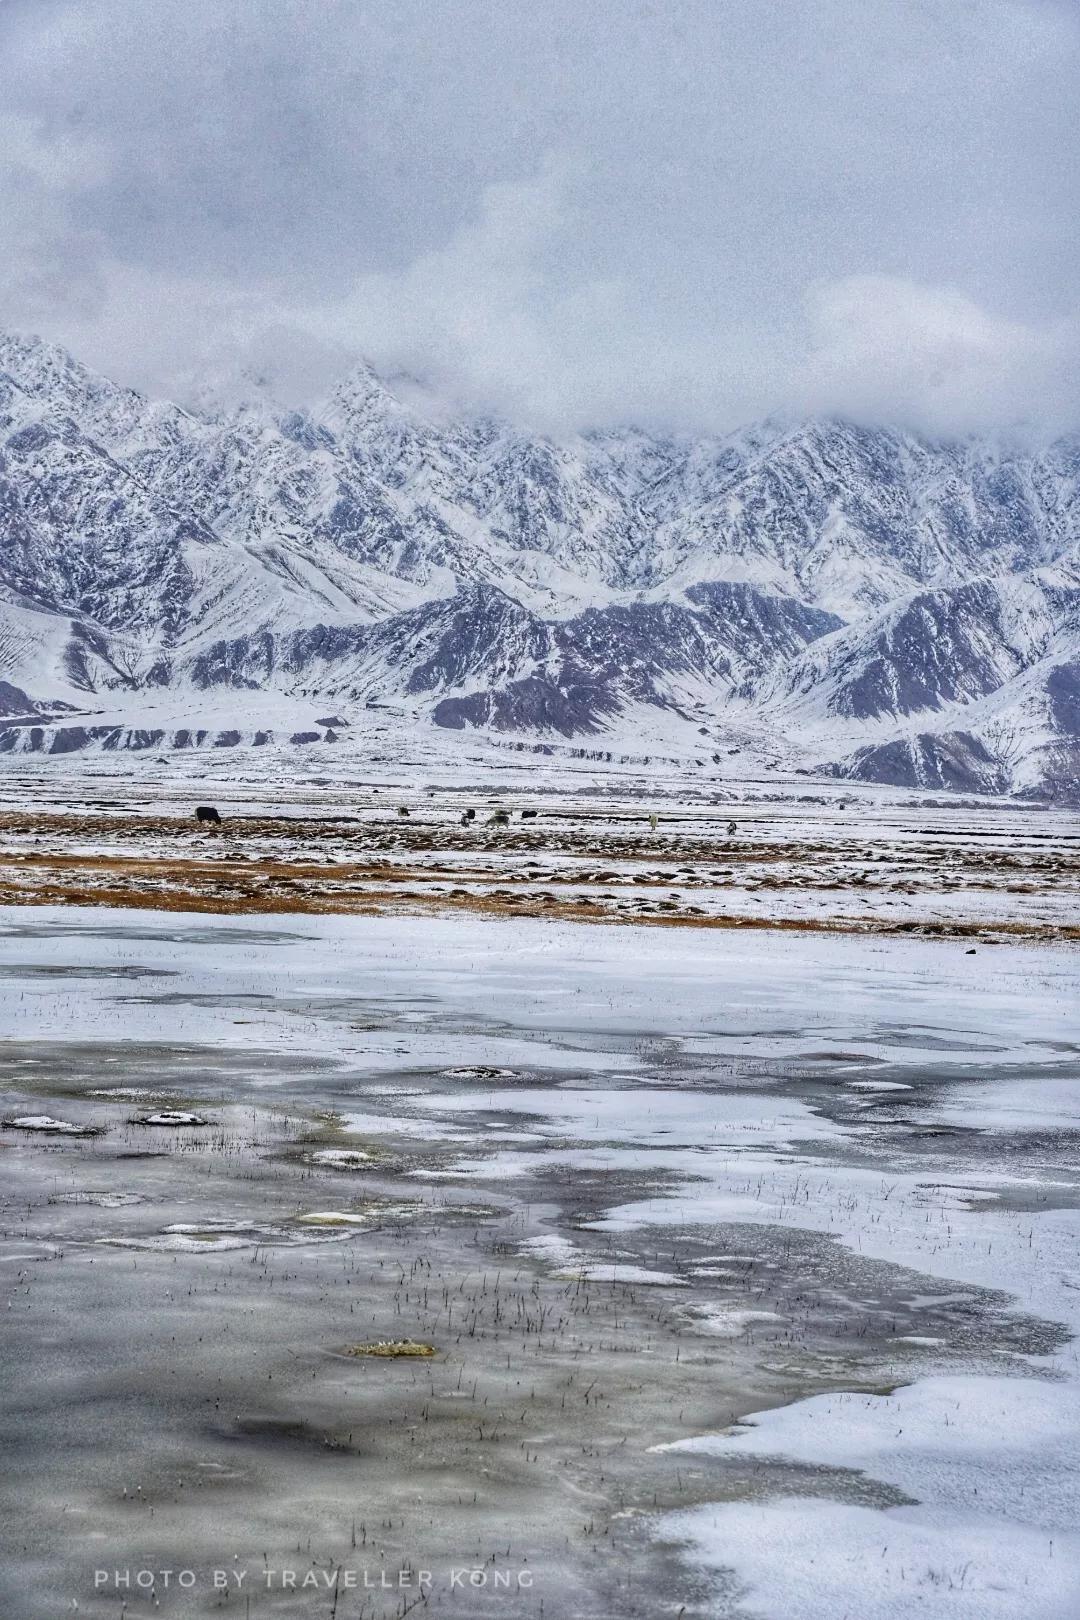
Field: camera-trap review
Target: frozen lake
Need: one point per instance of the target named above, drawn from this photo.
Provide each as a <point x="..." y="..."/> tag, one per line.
<point x="630" y="1187"/>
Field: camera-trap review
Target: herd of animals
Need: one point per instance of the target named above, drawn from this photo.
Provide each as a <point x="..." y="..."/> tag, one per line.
<point x="499" y="818"/>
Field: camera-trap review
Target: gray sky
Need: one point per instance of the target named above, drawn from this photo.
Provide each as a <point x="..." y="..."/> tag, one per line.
<point x="680" y="212"/>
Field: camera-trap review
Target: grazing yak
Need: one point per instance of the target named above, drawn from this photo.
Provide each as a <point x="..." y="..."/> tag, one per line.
<point x="206" y="812"/>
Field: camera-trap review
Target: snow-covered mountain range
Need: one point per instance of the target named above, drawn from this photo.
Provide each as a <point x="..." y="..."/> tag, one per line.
<point x="818" y="596"/>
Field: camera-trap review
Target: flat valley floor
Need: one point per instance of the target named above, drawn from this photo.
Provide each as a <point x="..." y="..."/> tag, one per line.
<point x="463" y="1265"/>
<point x="814" y="857"/>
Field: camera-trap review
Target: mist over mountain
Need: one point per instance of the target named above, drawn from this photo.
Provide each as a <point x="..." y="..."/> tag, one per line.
<point x="813" y="594"/>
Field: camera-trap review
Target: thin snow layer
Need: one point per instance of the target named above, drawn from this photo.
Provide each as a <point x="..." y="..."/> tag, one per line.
<point x="992" y="1466"/>
<point x="806" y="1559"/>
<point x="604" y="1271"/>
<point x="948" y="1230"/>
<point x="570" y="1262"/>
<point x="650" y="1116"/>
<point x="727" y="1321"/>
<point x="1031" y="1104"/>
<point x="758" y="996"/>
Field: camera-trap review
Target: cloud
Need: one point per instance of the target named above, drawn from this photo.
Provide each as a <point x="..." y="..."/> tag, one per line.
<point x="687" y="214"/>
<point x="491" y="316"/>
<point x="931" y="356"/>
<point x="486" y="315"/>
<point x="49" y="260"/>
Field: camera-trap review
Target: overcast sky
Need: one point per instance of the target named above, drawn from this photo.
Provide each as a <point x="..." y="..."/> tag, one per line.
<point x="685" y="213"/>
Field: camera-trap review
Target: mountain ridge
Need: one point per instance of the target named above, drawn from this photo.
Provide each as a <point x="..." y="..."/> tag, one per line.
<point x="835" y="591"/>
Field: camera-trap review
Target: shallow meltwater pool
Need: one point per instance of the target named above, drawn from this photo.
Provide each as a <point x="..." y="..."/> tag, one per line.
<point x="477" y="1265"/>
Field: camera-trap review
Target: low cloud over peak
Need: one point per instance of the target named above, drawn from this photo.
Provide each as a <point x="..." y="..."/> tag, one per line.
<point x="686" y="216"/>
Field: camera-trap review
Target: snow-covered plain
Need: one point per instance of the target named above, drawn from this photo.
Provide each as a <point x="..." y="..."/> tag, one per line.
<point x="841" y="1172"/>
<point x="600" y="844"/>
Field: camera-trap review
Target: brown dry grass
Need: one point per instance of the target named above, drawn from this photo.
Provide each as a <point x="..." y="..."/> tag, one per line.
<point x="170" y="892"/>
<point x="278" y="867"/>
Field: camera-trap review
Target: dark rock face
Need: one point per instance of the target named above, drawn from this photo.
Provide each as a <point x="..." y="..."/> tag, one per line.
<point x="940" y="647"/>
<point x="949" y="759"/>
<point x="244" y="663"/>
<point x="481" y="632"/>
<point x="1063" y="688"/>
<point x="1061" y="775"/>
<point x="70" y="739"/>
<point x="14" y="701"/>
<point x="576" y="706"/>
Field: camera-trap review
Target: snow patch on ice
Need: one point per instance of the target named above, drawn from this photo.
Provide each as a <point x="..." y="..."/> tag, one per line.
<point x="993" y="1468"/>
